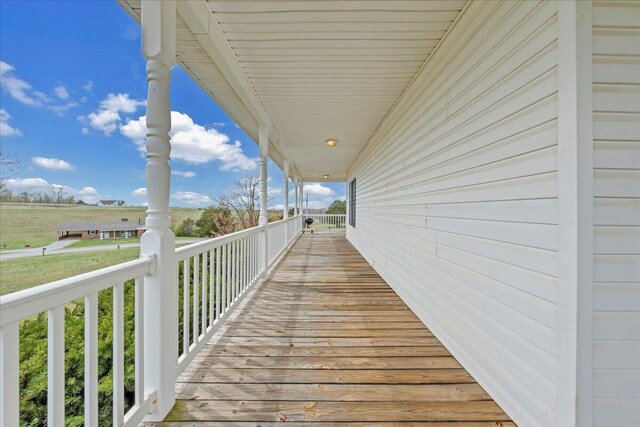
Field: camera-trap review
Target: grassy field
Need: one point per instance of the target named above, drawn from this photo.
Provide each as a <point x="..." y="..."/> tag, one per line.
<point x="34" y="224"/>
<point x="23" y="273"/>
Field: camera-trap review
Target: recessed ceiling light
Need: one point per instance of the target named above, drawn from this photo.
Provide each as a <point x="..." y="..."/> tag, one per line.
<point x="325" y="176"/>
<point x="332" y="142"/>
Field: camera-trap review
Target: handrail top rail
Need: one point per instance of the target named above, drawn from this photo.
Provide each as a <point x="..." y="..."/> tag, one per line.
<point x="312" y="214"/>
<point x="209" y="244"/>
<point x="23" y="304"/>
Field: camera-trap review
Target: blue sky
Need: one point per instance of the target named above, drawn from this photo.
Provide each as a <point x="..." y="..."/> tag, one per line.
<point x="72" y="105"/>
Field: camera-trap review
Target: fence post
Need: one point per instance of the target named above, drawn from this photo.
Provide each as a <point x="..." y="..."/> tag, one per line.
<point x="160" y="287"/>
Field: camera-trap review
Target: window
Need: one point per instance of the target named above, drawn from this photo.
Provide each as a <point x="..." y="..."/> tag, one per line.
<point x="352" y="203"/>
<point x="92" y="232"/>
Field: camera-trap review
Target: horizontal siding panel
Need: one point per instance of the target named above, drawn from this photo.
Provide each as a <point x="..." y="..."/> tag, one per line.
<point x="617" y="240"/>
<point x="616" y="325"/>
<point x="536" y="211"/>
<point x="617" y="98"/>
<point x="619" y="412"/>
<point x="617" y="14"/>
<point x="616" y="70"/>
<point x="616" y="296"/>
<point x="616" y="268"/>
<point x="616" y="211"/>
<point x="616" y="383"/>
<point x="616" y="354"/>
<point x="616" y="154"/>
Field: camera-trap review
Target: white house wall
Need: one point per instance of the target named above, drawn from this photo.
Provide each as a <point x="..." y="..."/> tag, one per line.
<point x="457" y="200"/>
<point x="616" y="294"/>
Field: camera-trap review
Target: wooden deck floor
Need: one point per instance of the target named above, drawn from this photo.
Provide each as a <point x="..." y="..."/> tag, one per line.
<point x="326" y="340"/>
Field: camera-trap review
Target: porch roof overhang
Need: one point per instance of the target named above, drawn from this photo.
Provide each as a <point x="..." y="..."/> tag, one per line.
<point x="308" y="70"/>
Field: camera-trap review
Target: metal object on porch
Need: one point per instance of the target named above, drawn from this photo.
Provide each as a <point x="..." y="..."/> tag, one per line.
<point x="308" y="221"/>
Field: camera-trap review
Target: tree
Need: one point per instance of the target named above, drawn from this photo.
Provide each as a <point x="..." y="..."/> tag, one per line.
<point x="186" y="229"/>
<point x="337" y="207"/>
<point x="58" y="193"/>
<point x="215" y="221"/>
<point x="243" y="200"/>
<point x="8" y="167"/>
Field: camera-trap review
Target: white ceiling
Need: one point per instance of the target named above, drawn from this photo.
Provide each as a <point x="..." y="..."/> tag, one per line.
<point x="317" y="69"/>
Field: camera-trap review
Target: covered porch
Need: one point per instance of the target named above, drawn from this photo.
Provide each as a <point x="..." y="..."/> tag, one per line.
<point x="494" y="145"/>
<point x="325" y="340"/>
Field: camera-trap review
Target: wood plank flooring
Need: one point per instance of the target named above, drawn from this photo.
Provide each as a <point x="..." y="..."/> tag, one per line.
<point x="327" y="341"/>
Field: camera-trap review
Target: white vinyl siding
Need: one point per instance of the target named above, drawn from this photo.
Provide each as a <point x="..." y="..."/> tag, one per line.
<point x="616" y="293"/>
<point x="457" y="200"/>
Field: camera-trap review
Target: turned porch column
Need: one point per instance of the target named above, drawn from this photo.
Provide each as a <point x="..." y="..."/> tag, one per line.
<point x="285" y="209"/>
<point x="295" y="187"/>
<point x="263" y="140"/>
<point x="160" y="288"/>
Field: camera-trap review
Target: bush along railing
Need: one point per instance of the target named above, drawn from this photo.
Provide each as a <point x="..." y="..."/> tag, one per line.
<point x="105" y="383"/>
<point x="327" y="221"/>
<point x="76" y="296"/>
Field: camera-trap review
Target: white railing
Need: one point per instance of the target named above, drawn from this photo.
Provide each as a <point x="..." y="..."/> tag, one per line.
<point x="294" y="225"/>
<point x="213" y="277"/>
<point x="327" y="221"/>
<point x="52" y="299"/>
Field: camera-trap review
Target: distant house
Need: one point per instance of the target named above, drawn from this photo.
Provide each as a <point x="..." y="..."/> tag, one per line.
<point x="113" y="202"/>
<point x="100" y="229"/>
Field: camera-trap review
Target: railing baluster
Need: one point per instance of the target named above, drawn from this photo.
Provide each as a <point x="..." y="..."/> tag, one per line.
<point x="225" y="272"/>
<point x="118" y="354"/>
<point x="203" y="320"/>
<point x="139" y="341"/>
<point x="9" y="371"/>
<point x="91" y="360"/>
<point x="196" y="298"/>
<point x="218" y="279"/>
<point x="186" y="296"/>
<point x="212" y="285"/>
<point x="234" y="270"/>
<point x="244" y="264"/>
<point x="228" y="283"/>
<point x="55" y="362"/>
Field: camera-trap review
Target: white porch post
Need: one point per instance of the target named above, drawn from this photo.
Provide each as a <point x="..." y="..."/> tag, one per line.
<point x="263" y="140"/>
<point x="302" y="196"/>
<point x="285" y="213"/>
<point x="160" y="290"/>
<point x="295" y="186"/>
<point x="285" y="209"/>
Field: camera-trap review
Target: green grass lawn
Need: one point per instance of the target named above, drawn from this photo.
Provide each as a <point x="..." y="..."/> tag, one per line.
<point x="98" y="242"/>
<point x="23" y="273"/>
<point x="35" y="225"/>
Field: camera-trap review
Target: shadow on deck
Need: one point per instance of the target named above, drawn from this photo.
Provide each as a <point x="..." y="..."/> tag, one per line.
<point x="326" y="340"/>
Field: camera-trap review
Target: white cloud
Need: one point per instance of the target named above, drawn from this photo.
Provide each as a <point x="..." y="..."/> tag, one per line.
<point x="63" y="108"/>
<point x="88" y="86"/>
<point x="5" y="128"/>
<point x="316" y="189"/>
<point x="88" y="194"/>
<point x="61" y="92"/>
<point x="193" y="143"/>
<point x="191" y="198"/>
<point x="107" y="118"/>
<point x="139" y="192"/>
<point x="19" y="89"/>
<point x="187" y="174"/>
<point x="52" y="164"/>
